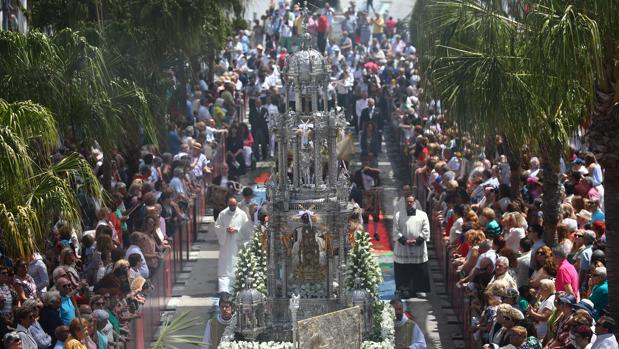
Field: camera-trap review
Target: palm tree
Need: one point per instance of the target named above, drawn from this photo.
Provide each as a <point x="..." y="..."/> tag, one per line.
<point x="494" y="74"/>
<point x="70" y="77"/>
<point x="36" y="192"/>
<point x="475" y="65"/>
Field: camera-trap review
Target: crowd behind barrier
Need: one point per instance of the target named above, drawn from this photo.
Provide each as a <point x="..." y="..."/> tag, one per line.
<point x="506" y="286"/>
<point x="117" y="271"/>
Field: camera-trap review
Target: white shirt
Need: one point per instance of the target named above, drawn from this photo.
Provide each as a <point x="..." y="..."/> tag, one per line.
<point x="454" y="164"/>
<point x="512" y="238"/>
<point x="542" y="326"/>
<point x="200" y="165"/>
<point x="490" y="254"/>
<point x="177" y="185"/>
<point x="27" y="340"/>
<point x="456" y="230"/>
<point x="605" y="341"/>
<point x="144" y="267"/>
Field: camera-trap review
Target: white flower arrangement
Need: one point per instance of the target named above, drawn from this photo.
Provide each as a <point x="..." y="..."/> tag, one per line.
<point x="251" y="263"/>
<point x="387" y="324"/>
<point x="362" y="264"/>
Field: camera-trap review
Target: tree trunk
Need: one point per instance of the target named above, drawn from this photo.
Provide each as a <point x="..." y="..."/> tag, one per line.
<point x="514" y="157"/>
<point x="211" y="62"/>
<point x="552" y="195"/>
<point x="107" y="173"/>
<point x="611" y="207"/>
<point x="603" y="142"/>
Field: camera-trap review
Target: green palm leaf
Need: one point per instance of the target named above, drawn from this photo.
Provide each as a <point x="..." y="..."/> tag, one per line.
<point x="170" y="334"/>
<point x="34" y="193"/>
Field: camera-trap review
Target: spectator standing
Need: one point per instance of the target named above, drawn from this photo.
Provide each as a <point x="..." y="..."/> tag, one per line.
<point x="61" y="333"/>
<point x="258" y="115"/>
<point x="567" y="276"/>
<point x="584" y="260"/>
<point x="67" y="308"/>
<point x="24" y="319"/>
<point x="323" y="31"/>
<point x="38" y="270"/>
<point x="378" y="27"/>
<point x="49" y="316"/>
<point x="43" y="339"/>
<point x="24" y="284"/>
<point x="599" y="290"/>
<point x="605" y="332"/>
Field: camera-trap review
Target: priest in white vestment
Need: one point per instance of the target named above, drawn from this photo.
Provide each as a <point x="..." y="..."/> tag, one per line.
<point x="231" y="234"/>
<point x="407" y="334"/>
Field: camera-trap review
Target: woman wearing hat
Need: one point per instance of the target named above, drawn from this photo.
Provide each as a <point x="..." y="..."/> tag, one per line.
<point x="562" y="325"/>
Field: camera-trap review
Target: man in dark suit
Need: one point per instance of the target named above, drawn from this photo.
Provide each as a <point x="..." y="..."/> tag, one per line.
<point x="258" y="115"/>
<point x="371" y="114"/>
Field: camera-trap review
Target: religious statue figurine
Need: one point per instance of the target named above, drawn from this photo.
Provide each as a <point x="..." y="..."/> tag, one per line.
<point x="284" y="236"/>
<point x="308" y="251"/>
<point x="355" y="223"/>
<point x="306" y="164"/>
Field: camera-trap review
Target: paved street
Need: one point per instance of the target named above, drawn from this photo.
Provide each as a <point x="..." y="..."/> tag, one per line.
<point x="196" y="293"/>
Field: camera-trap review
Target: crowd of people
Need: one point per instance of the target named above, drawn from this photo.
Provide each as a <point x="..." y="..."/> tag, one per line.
<point x="89" y="282"/>
<point x="527" y="294"/>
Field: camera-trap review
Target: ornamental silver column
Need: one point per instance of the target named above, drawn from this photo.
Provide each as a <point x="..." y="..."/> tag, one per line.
<point x="317" y="158"/>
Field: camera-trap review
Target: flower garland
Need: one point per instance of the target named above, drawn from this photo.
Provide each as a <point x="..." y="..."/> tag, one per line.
<point x="362" y="264"/>
<point x="252" y="263"/>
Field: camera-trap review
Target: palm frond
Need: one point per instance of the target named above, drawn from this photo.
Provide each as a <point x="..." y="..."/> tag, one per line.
<point x="171" y="332"/>
<point x="34" y="194"/>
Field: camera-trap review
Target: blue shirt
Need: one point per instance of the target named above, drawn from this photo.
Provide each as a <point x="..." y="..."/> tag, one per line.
<point x="599" y="297"/>
<point x="101" y="340"/>
<point x="174" y="142"/>
<point x="67" y="310"/>
<point x="598" y="215"/>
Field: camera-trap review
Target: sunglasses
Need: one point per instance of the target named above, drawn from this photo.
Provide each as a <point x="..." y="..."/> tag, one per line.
<point x="578" y="235"/>
<point x="99" y="303"/>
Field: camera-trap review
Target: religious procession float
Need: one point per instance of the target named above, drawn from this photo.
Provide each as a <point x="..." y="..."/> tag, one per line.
<point x="308" y="278"/>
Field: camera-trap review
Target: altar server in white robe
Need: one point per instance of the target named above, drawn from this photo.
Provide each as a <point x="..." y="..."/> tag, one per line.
<point x="231" y="234"/>
<point x="216" y="326"/>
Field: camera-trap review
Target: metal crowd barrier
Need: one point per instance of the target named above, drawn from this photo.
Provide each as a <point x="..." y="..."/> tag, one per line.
<point x="144" y="329"/>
